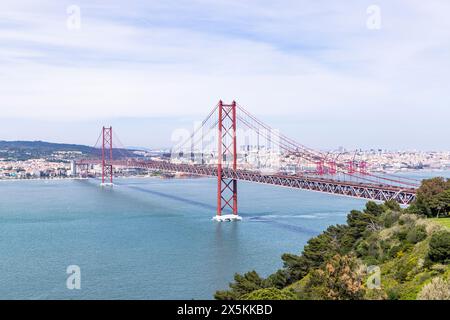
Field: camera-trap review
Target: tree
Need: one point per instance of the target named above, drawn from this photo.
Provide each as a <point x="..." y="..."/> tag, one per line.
<point x="243" y="284"/>
<point x="428" y="196"/>
<point x="277" y="280"/>
<point x="440" y="247"/>
<point x="359" y="222"/>
<point x="441" y="203"/>
<point x="339" y="279"/>
<point x="393" y="205"/>
<point x="315" y="253"/>
<point x="295" y="266"/>
<point x="374" y="209"/>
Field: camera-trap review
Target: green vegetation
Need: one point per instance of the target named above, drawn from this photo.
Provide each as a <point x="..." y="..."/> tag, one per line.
<point x="442" y="221"/>
<point x="433" y="198"/>
<point x="25" y="150"/>
<point x="383" y="252"/>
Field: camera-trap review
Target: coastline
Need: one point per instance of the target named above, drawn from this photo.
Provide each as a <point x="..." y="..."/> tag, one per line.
<point x="45" y="179"/>
<point x="78" y="178"/>
<point x="419" y="171"/>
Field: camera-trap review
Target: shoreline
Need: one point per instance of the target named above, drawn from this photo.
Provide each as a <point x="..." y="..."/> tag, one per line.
<point x="197" y="177"/>
<point x="99" y="178"/>
<point x="44" y="179"/>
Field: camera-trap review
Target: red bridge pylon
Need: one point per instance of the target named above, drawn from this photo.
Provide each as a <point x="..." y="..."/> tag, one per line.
<point x="226" y="155"/>
<point x="107" y="156"/>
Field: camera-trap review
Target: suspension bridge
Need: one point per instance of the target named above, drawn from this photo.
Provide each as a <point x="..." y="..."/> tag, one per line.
<point x="232" y="145"/>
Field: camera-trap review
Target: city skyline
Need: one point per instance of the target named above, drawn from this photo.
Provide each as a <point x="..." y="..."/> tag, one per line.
<point x="321" y="74"/>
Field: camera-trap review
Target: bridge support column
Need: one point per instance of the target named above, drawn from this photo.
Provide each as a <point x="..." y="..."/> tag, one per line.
<point x="226" y="153"/>
<point x="107" y="157"/>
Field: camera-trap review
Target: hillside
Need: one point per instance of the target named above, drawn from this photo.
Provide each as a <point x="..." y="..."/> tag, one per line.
<point x="25" y="150"/>
<point x="383" y="252"/>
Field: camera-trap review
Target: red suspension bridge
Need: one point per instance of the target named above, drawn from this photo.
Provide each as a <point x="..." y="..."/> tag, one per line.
<point x="233" y="145"/>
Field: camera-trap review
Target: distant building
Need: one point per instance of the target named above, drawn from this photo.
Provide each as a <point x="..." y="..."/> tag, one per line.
<point x="73" y="168"/>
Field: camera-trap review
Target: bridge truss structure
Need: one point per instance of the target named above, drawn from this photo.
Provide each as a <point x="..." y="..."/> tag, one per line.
<point x="232" y="145"/>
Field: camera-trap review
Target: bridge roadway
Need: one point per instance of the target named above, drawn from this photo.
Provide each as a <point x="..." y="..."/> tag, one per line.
<point x="370" y="191"/>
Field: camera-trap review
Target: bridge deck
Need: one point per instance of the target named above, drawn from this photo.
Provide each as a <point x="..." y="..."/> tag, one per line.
<point x="370" y="191"/>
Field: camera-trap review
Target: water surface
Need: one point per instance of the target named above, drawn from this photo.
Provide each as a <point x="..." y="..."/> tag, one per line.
<point x="149" y="238"/>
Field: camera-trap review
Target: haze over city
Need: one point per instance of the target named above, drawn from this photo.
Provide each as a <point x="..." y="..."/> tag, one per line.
<point x="151" y="68"/>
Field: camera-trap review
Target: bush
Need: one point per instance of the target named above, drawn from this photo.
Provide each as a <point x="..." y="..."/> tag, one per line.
<point x="437" y="289"/>
<point x="362" y="248"/>
<point x="389" y="218"/>
<point x="393" y="252"/>
<point x="440" y="247"/>
<point x="407" y="219"/>
<point x="393" y="293"/>
<point x="416" y="234"/>
<point x="401" y="235"/>
<point x="270" y="294"/>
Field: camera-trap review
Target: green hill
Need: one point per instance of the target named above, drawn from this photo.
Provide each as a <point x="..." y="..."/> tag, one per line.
<point x="25" y="150"/>
<point x="383" y="252"/>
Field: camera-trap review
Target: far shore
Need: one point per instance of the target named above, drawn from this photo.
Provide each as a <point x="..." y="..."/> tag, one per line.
<point x="198" y="176"/>
<point x="97" y="178"/>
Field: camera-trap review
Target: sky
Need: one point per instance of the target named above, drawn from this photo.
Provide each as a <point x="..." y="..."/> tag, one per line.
<point x="354" y="73"/>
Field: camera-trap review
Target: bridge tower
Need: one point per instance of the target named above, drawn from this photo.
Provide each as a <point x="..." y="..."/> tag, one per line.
<point x="320" y="170"/>
<point x="351" y="167"/>
<point x="363" y="167"/>
<point x="332" y="168"/>
<point x="226" y="156"/>
<point x="107" y="156"/>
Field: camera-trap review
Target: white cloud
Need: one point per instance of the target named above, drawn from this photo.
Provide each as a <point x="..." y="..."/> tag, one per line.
<point x="297" y="58"/>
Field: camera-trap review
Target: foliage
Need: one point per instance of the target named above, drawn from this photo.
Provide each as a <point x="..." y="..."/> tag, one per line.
<point x="389" y="217"/>
<point x="416" y="234"/>
<point x="270" y="294"/>
<point x="242" y="285"/>
<point x="433" y="198"/>
<point x="25" y="150"/>
<point x="339" y="279"/>
<point x="277" y="280"/>
<point x="442" y="221"/>
<point x="409" y="250"/>
<point x="392" y="205"/>
<point x="440" y="247"/>
<point x="437" y="289"/>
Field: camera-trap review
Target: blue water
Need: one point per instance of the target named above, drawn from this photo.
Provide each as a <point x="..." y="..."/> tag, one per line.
<point x="148" y="238"/>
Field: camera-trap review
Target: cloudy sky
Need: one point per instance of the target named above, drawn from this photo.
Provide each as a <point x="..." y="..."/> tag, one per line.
<point x="330" y="73"/>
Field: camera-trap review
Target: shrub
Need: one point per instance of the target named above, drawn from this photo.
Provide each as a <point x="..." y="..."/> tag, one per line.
<point x="362" y="248"/>
<point x="393" y="293"/>
<point x="407" y="219"/>
<point x="405" y="266"/>
<point x="389" y="218"/>
<point x="416" y="234"/>
<point x="437" y="289"/>
<point x="392" y="253"/>
<point x="440" y="247"/>
<point x="401" y="235"/>
<point x="270" y="294"/>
